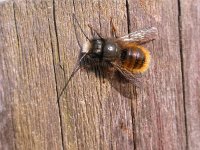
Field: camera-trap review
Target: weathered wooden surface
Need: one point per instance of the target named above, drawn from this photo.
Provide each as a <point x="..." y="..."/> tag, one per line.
<point x="36" y="37"/>
<point x="159" y="117"/>
<point x="29" y="111"/>
<point x="190" y="12"/>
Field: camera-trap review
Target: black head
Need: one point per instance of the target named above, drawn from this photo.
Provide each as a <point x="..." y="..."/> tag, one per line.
<point x="104" y="49"/>
<point x="96" y="48"/>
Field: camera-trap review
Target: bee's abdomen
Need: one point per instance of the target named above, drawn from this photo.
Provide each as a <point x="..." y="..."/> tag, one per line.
<point x="132" y="58"/>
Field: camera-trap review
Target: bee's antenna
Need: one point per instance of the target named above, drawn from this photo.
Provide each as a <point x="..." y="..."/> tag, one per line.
<point x="76" y="68"/>
<point x="74" y="17"/>
<point x="93" y="30"/>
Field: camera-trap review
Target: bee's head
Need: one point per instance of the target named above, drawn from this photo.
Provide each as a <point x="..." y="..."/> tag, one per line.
<point x="94" y="47"/>
<point x="97" y="47"/>
<point x="100" y="48"/>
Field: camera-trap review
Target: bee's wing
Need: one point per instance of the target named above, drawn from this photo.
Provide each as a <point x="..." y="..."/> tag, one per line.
<point x="133" y="78"/>
<point x="140" y="36"/>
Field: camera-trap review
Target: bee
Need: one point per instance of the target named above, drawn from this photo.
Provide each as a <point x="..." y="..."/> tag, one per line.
<point x="124" y="54"/>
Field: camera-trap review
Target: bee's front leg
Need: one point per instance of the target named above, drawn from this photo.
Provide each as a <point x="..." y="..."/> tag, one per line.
<point x="113" y="29"/>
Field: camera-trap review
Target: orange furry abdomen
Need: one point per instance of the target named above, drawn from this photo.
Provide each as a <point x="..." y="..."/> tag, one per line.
<point x="136" y="58"/>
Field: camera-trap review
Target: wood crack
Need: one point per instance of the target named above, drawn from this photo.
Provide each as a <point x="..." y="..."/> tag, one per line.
<point x="128" y="16"/>
<point x="18" y="41"/>
<point x="132" y="108"/>
<point x="182" y="69"/>
<point x="57" y="44"/>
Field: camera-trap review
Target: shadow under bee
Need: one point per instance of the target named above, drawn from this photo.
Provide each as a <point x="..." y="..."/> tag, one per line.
<point x="106" y="71"/>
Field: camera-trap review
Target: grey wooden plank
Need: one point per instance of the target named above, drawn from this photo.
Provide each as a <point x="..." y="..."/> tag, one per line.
<point x="95" y="113"/>
<point x="29" y="109"/>
<point x="190" y="22"/>
<point x="159" y="108"/>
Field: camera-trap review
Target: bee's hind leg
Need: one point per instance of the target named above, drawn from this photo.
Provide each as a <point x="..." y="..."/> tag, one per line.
<point x="113" y="29"/>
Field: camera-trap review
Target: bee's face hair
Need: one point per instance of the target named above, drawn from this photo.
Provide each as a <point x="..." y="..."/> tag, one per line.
<point x="86" y="47"/>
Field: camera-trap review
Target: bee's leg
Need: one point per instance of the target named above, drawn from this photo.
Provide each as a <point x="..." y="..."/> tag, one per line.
<point x="113" y="29"/>
<point x="93" y="31"/>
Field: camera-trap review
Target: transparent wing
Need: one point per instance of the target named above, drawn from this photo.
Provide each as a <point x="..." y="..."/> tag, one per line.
<point x="140" y="36"/>
<point x="133" y="78"/>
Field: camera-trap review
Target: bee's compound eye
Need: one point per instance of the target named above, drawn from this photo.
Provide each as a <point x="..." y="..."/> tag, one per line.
<point x="97" y="47"/>
<point x="98" y="44"/>
<point x="110" y="51"/>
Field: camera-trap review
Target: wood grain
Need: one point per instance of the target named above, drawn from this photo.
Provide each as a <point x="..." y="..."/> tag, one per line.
<point x="95" y="115"/>
<point x="29" y="109"/>
<point x="39" y="46"/>
<point x="159" y="115"/>
<point x="190" y="22"/>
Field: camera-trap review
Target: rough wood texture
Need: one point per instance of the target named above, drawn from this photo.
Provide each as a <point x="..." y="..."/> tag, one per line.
<point x="95" y="112"/>
<point x="190" y="21"/>
<point x="159" y="116"/>
<point x="29" y="110"/>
